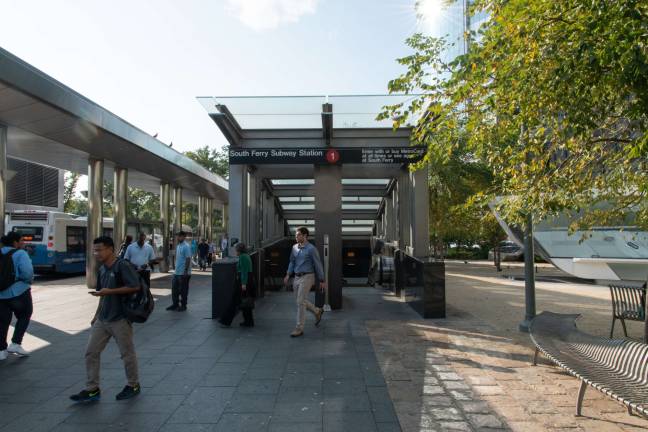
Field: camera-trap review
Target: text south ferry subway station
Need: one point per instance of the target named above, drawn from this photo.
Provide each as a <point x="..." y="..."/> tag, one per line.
<point x="276" y="153"/>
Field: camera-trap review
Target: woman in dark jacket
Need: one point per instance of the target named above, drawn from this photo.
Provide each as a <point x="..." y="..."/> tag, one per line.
<point x="243" y="297"/>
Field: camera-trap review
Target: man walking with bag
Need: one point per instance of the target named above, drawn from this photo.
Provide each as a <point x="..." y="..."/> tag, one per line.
<point x="304" y="263"/>
<point x="117" y="279"/>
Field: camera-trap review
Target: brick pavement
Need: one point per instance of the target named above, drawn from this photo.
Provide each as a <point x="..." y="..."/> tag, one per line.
<point x="462" y="374"/>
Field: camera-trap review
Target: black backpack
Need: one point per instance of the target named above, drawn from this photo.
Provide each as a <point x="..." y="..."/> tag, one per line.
<point x="137" y="306"/>
<point x="7" y="270"/>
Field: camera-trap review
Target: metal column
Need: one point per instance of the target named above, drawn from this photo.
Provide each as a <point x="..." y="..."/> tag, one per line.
<point x="3" y="177"/>
<point x="420" y="212"/>
<point x="529" y="276"/>
<point x="209" y="219"/>
<point x="177" y="210"/>
<point x="404" y="214"/>
<point x="201" y="218"/>
<point x="165" y="218"/>
<point x="225" y="210"/>
<point x="95" y="217"/>
<point x="237" y="215"/>
<point x="120" y="198"/>
<point x="328" y="221"/>
<point x="389" y="218"/>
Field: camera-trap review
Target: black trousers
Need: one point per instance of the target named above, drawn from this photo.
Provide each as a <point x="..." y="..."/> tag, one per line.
<point x="146" y="275"/>
<point x="21" y="306"/>
<point x="180" y="290"/>
<point x="234" y="306"/>
<point x="232" y="309"/>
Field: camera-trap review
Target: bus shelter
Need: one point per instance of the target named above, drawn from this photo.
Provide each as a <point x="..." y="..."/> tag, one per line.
<point x="44" y="121"/>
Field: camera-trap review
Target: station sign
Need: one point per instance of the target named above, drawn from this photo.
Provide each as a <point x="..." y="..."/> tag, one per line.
<point x="325" y="156"/>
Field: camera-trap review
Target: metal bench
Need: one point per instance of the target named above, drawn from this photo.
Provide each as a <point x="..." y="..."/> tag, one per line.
<point x="628" y="303"/>
<point x="615" y="367"/>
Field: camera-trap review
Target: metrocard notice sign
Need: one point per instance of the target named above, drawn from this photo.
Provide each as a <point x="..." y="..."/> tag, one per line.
<point x="324" y="156"/>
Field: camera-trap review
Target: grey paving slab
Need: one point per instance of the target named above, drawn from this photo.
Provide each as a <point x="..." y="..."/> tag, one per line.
<point x="258" y="386"/>
<point x="343" y="386"/>
<point x="196" y="376"/>
<point x="294" y="427"/>
<point x="187" y="427"/>
<point x="35" y="422"/>
<point x="243" y="423"/>
<point x="96" y="412"/>
<point x="12" y="411"/>
<point x="296" y="379"/>
<point x="251" y="403"/>
<point x="389" y="427"/>
<point x="145" y="422"/>
<point x="301" y="394"/>
<point x="347" y="402"/>
<point x="349" y="422"/>
<point x="298" y="412"/>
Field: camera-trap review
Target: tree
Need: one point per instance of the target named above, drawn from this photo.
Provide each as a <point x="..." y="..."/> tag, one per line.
<point x="214" y="160"/>
<point x="143" y="206"/>
<point x="552" y="97"/>
<point x="454" y="215"/>
<point x="71" y="182"/>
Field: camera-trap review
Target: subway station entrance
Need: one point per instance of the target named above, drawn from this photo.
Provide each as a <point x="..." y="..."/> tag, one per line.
<point x="326" y="163"/>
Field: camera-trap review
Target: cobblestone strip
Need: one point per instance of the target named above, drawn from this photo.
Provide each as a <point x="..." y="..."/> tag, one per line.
<point x="459" y="375"/>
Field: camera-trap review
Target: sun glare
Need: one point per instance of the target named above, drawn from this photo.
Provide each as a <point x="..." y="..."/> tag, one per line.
<point x="429" y="12"/>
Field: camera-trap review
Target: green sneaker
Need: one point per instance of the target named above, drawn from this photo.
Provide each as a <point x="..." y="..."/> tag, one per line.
<point x="128" y="392"/>
<point x="87" y="396"/>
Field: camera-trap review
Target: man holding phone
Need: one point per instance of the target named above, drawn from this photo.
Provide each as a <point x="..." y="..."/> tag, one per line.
<point x="116" y="280"/>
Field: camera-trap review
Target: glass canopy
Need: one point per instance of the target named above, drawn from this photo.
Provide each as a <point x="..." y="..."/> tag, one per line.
<point x="304" y="112"/>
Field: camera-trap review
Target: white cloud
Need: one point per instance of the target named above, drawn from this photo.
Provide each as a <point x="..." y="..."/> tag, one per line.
<point x="269" y="14"/>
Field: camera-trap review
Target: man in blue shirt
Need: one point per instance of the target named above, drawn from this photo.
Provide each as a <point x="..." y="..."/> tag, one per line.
<point x="304" y="263"/>
<point x="16" y="300"/>
<point x="142" y="256"/>
<point x="180" y="283"/>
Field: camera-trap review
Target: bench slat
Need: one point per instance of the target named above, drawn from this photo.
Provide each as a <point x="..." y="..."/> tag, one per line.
<point x="615" y="367"/>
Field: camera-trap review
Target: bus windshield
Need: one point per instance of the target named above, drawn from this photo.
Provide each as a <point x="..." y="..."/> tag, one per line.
<point x="30" y="234"/>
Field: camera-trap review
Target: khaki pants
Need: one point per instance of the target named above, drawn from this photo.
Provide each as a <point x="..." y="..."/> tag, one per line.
<point x="301" y="287"/>
<point x="100" y="334"/>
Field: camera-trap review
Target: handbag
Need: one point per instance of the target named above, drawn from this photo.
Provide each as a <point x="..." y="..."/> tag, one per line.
<point x="247" y="303"/>
<point x="247" y="300"/>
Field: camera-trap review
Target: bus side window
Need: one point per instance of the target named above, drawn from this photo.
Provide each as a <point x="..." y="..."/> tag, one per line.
<point x="108" y="232"/>
<point x="76" y="239"/>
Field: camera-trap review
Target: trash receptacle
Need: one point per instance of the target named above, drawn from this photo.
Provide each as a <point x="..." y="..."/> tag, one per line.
<point x="223" y="285"/>
<point x="434" y="304"/>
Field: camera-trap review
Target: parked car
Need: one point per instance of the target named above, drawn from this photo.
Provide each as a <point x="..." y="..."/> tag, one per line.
<point x="510" y="251"/>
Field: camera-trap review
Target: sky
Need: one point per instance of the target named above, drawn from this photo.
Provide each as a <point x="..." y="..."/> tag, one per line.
<point x="146" y="61"/>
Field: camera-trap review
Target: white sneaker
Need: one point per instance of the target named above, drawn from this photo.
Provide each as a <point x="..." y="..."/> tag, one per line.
<point x="3" y="355"/>
<point x="14" y="348"/>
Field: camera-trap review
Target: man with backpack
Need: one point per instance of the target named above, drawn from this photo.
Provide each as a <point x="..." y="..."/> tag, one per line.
<point x="116" y="281"/>
<point x="16" y="274"/>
